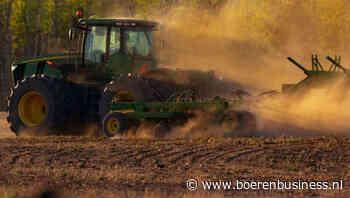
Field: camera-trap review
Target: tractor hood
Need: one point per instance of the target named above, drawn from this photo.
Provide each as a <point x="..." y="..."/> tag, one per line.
<point x="57" y="58"/>
<point x="43" y="65"/>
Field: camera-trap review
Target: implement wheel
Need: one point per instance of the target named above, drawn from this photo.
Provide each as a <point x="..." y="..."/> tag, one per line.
<point x="114" y="123"/>
<point x="247" y="121"/>
<point x="243" y="122"/>
<point x="230" y="121"/>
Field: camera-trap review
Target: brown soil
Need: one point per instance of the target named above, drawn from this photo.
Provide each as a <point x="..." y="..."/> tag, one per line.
<point x="5" y="131"/>
<point x="81" y="165"/>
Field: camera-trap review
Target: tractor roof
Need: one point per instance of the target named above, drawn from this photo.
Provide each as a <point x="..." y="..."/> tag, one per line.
<point x="125" y="22"/>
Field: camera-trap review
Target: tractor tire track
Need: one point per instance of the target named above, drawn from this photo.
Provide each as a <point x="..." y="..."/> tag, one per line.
<point x="173" y="157"/>
<point x="196" y="154"/>
<point x="153" y="155"/>
<point x="219" y="154"/>
<point x="133" y="157"/>
<point x="179" y="151"/>
<point x="210" y="157"/>
<point x="224" y="159"/>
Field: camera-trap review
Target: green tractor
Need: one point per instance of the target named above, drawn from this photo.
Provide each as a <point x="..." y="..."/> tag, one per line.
<point x="112" y="79"/>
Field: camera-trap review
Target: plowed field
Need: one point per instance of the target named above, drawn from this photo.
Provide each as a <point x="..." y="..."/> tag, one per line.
<point x="120" y="167"/>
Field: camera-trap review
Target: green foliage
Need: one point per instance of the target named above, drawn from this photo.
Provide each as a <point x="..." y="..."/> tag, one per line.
<point x="256" y="20"/>
<point x="31" y="19"/>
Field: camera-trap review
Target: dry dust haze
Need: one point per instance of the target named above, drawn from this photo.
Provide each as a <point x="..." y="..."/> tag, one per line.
<point x="249" y="43"/>
<point x="226" y="44"/>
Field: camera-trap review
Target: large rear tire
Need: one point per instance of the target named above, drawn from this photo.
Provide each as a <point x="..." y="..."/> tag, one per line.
<point x="36" y="102"/>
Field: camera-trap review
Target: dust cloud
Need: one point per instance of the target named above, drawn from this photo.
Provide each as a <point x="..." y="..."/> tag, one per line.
<point x="248" y="42"/>
<point x="318" y="112"/>
<point x="254" y="55"/>
<point x="5" y="131"/>
<point x="200" y="125"/>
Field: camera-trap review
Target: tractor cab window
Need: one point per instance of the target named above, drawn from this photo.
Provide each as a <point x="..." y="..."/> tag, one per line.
<point x="139" y="42"/>
<point x="95" y="46"/>
<point x="115" y="41"/>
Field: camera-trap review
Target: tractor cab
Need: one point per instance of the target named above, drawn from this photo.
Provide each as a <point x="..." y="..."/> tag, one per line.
<point x="116" y="46"/>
